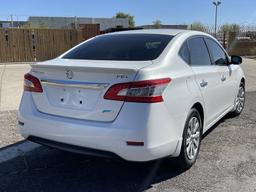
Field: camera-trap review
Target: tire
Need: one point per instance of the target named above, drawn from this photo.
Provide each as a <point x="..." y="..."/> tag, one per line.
<point x="187" y="158"/>
<point x="239" y="101"/>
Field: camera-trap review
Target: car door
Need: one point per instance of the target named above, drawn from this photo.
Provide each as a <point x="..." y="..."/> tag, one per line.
<point x="207" y="77"/>
<point x="226" y="73"/>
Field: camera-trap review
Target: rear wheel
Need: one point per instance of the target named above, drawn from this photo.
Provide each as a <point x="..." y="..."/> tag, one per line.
<point x="191" y="140"/>
<point x="240" y="101"/>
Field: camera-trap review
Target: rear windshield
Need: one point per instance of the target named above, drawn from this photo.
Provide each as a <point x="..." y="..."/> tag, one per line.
<point x="121" y="47"/>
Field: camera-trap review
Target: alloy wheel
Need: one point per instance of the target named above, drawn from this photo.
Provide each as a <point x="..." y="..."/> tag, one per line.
<point x="193" y="138"/>
<point x="240" y="100"/>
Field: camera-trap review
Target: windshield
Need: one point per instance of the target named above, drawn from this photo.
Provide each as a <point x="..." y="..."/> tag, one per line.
<point x="121" y="47"/>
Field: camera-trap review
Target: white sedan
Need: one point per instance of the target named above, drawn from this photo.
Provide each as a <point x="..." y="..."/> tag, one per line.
<point x="140" y="95"/>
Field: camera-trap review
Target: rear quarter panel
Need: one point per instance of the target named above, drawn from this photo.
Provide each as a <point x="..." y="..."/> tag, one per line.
<point x="179" y="96"/>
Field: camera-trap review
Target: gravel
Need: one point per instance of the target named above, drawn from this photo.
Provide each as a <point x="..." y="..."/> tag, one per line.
<point x="8" y="128"/>
<point x="227" y="162"/>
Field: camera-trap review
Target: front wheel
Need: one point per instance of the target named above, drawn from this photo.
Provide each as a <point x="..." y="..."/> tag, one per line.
<point x="240" y="101"/>
<point x="192" y="136"/>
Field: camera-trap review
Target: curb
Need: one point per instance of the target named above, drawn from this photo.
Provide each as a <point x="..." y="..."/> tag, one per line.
<point x="17" y="63"/>
<point x="17" y="149"/>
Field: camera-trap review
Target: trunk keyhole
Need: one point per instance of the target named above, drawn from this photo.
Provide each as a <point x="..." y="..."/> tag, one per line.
<point x="81" y="102"/>
<point x="61" y="99"/>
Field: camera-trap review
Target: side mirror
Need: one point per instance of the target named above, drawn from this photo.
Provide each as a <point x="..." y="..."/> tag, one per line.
<point x="236" y="60"/>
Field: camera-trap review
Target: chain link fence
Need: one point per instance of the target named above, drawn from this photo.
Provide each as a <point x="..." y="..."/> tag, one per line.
<point x="236" y="39"/>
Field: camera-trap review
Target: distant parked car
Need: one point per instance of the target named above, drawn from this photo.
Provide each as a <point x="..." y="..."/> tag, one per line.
<point x="140" y="95"/>
<point x="244" y="38"/>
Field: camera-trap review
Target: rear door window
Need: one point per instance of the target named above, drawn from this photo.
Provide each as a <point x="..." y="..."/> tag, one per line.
<point x="218" y="55"/>
<point x="199" y="55"/>
<point x="122" y="47"/>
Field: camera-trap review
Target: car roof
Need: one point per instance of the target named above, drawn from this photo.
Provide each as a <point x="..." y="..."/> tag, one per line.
<point x="172" y="32"/>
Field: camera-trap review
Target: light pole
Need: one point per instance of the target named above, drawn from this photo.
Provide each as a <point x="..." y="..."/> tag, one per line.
<point x="216" y="3"/>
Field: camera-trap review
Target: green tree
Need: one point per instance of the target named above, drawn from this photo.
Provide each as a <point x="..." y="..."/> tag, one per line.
<point x="157" y="24"/>
<point x="230" y="28"/>
<point x="197" y="26"/>
<point x="124" y="15"/>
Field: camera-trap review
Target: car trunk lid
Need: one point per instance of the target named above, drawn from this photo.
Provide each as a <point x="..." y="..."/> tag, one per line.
<point x="75" y="88"/>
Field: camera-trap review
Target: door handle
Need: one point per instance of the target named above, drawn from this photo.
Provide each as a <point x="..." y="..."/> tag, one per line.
<point x="203" y="83"/>
<point x="223" y="78"/>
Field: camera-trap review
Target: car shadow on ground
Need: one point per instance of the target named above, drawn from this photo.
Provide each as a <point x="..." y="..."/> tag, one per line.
<point x="47" y="169"/>
<point x="53" y="170"/>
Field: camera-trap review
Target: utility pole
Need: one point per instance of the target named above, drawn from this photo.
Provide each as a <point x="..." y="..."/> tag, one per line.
<point x="216" y="3"/>
<point x="11" y="21"/>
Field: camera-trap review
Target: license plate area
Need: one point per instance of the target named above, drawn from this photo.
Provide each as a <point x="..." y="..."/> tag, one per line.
<point x="73" y="96"/>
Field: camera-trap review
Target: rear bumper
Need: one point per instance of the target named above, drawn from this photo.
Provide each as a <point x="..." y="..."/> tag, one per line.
<point x="72" y="148"/>
<point x="141" y="125"/>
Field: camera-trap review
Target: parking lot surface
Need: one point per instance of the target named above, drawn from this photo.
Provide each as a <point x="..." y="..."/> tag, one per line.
<point x="11" y="84"/>
<point x="8" y="128"/>
<point x="227" y="162"/>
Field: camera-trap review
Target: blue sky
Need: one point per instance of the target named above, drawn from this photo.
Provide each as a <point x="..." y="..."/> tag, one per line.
<point x="145" y="11"/>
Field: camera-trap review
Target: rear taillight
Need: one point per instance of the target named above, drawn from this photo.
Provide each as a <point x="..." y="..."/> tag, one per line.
<point x="32" y="84"/>
<point x="149" y="91"/>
